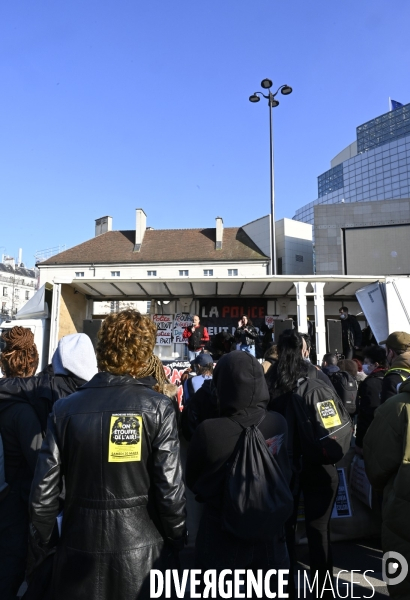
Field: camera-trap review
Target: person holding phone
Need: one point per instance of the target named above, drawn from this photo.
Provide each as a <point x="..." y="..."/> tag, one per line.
<point x="245" y="335"/>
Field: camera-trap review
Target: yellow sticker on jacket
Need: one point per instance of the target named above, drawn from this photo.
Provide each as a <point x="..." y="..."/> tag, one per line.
<point x="328" y="414"/>
<point x="124" y="444"/>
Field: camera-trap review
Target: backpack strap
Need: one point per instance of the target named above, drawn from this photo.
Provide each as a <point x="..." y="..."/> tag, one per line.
<point x="299" y="383"/>
<point x="397" y="370"/>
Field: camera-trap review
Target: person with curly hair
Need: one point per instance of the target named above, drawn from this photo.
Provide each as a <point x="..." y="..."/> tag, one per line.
<point x="116" y="442"/>
<point x="20" y="434"/>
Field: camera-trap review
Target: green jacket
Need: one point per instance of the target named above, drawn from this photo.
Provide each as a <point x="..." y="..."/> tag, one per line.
<point x="386" y="450"/>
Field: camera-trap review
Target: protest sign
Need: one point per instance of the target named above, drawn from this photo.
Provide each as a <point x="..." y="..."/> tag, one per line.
<point x="181" y="322"/>
<point x="164" y="329"/>
<point x="173" y="372"/>
<point x="341" y="507"/>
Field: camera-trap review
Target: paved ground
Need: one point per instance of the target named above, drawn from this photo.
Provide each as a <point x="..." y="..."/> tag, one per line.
<point x="358" y="555"/>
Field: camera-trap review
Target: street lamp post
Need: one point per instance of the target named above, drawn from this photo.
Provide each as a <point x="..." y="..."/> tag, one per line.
<point x="272" y="102"/>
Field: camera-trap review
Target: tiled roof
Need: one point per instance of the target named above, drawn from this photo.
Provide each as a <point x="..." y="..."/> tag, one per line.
<point x="19" y="271"/>
<point x="161" y="245"/>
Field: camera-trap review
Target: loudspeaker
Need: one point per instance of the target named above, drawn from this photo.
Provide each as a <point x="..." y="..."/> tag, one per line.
<point x="279" y="327"/>
<point x="91" y="327"/>
<point x="334" y="336"/>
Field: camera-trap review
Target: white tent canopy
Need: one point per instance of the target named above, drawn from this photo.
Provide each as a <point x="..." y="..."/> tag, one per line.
<point x="336" y="286"/>
<point x="36" y="307"/>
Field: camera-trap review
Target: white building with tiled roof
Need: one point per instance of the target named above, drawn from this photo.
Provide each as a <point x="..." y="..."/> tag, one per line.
<point x="157" y="255"/>
<point x="171" y="270"/>
<point x="17" y="286"/>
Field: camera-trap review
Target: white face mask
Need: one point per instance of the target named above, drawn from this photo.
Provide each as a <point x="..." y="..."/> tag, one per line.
<point x="367" y="369"/>
<point x="342" y="316"/>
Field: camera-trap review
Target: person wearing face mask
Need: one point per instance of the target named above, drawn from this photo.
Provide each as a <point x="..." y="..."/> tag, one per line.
<point x="368" y="397"/>
<point x="313" y="371"/>
<point x="398" y="359"/>
<point x="351" y="332"/>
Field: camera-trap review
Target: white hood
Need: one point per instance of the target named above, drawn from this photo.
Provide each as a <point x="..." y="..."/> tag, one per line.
<point x="75" y="355"/>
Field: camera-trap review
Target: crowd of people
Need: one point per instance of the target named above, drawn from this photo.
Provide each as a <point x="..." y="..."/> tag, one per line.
<point x="95" y="490"/>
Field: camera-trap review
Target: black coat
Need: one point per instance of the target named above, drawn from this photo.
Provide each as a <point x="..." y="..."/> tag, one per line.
<point x="368" y="400"/>
<point x="351" y="333"/>
<point x="243" y="396"/>
<point x="202" y="405"/>
<point x="40" y="392"/>
<point x="246" y="335"/>
<point x="124" y="511"/>
<point x="24" y="406"/>
<point x="20" y="431"/>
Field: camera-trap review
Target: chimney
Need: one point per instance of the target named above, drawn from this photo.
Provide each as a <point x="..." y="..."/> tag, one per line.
<point x="219" y="233"/>
<point x="140" y="228"/>
<point x="103" y="225"/>
<point x="20" y="258"/>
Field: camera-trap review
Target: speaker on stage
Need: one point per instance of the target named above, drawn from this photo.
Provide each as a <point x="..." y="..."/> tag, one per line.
<point x="334" y="336"/>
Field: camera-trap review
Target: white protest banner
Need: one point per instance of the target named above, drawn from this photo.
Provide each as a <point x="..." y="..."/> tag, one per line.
<point x="164" y="329"/>
<point x="181" y="322"/>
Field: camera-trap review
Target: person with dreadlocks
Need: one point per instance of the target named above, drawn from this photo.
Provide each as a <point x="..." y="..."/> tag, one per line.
<point x="25" y="402"/>
<point x="153" y="375"/>
<point x="116" y="442"/>
<point x="20" y="432"/>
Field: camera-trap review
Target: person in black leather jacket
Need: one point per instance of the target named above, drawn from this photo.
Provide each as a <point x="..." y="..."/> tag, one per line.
<point x="115" y="441"/>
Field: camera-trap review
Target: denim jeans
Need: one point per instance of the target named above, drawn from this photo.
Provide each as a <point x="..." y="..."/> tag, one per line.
<point x="248" y="349"/>
<point x="193" y="354"/>
<point x="217" y="549"/>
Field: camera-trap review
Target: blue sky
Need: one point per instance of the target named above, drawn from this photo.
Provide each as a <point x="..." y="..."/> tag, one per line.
<point x="108" y="105"/>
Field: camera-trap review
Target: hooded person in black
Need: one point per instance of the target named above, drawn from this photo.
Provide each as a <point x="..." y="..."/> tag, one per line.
<point x="25" y="403"/>
<point x="243" y="397"/>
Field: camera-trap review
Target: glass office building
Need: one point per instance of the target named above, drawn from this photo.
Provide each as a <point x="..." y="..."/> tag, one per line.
<point x="375" y="167"/>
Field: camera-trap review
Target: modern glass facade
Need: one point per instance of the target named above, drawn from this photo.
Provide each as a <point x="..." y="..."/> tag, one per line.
<point x="330" y="181"/>
<point x="386" y="128"/>
<point x="380" y="170"/>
